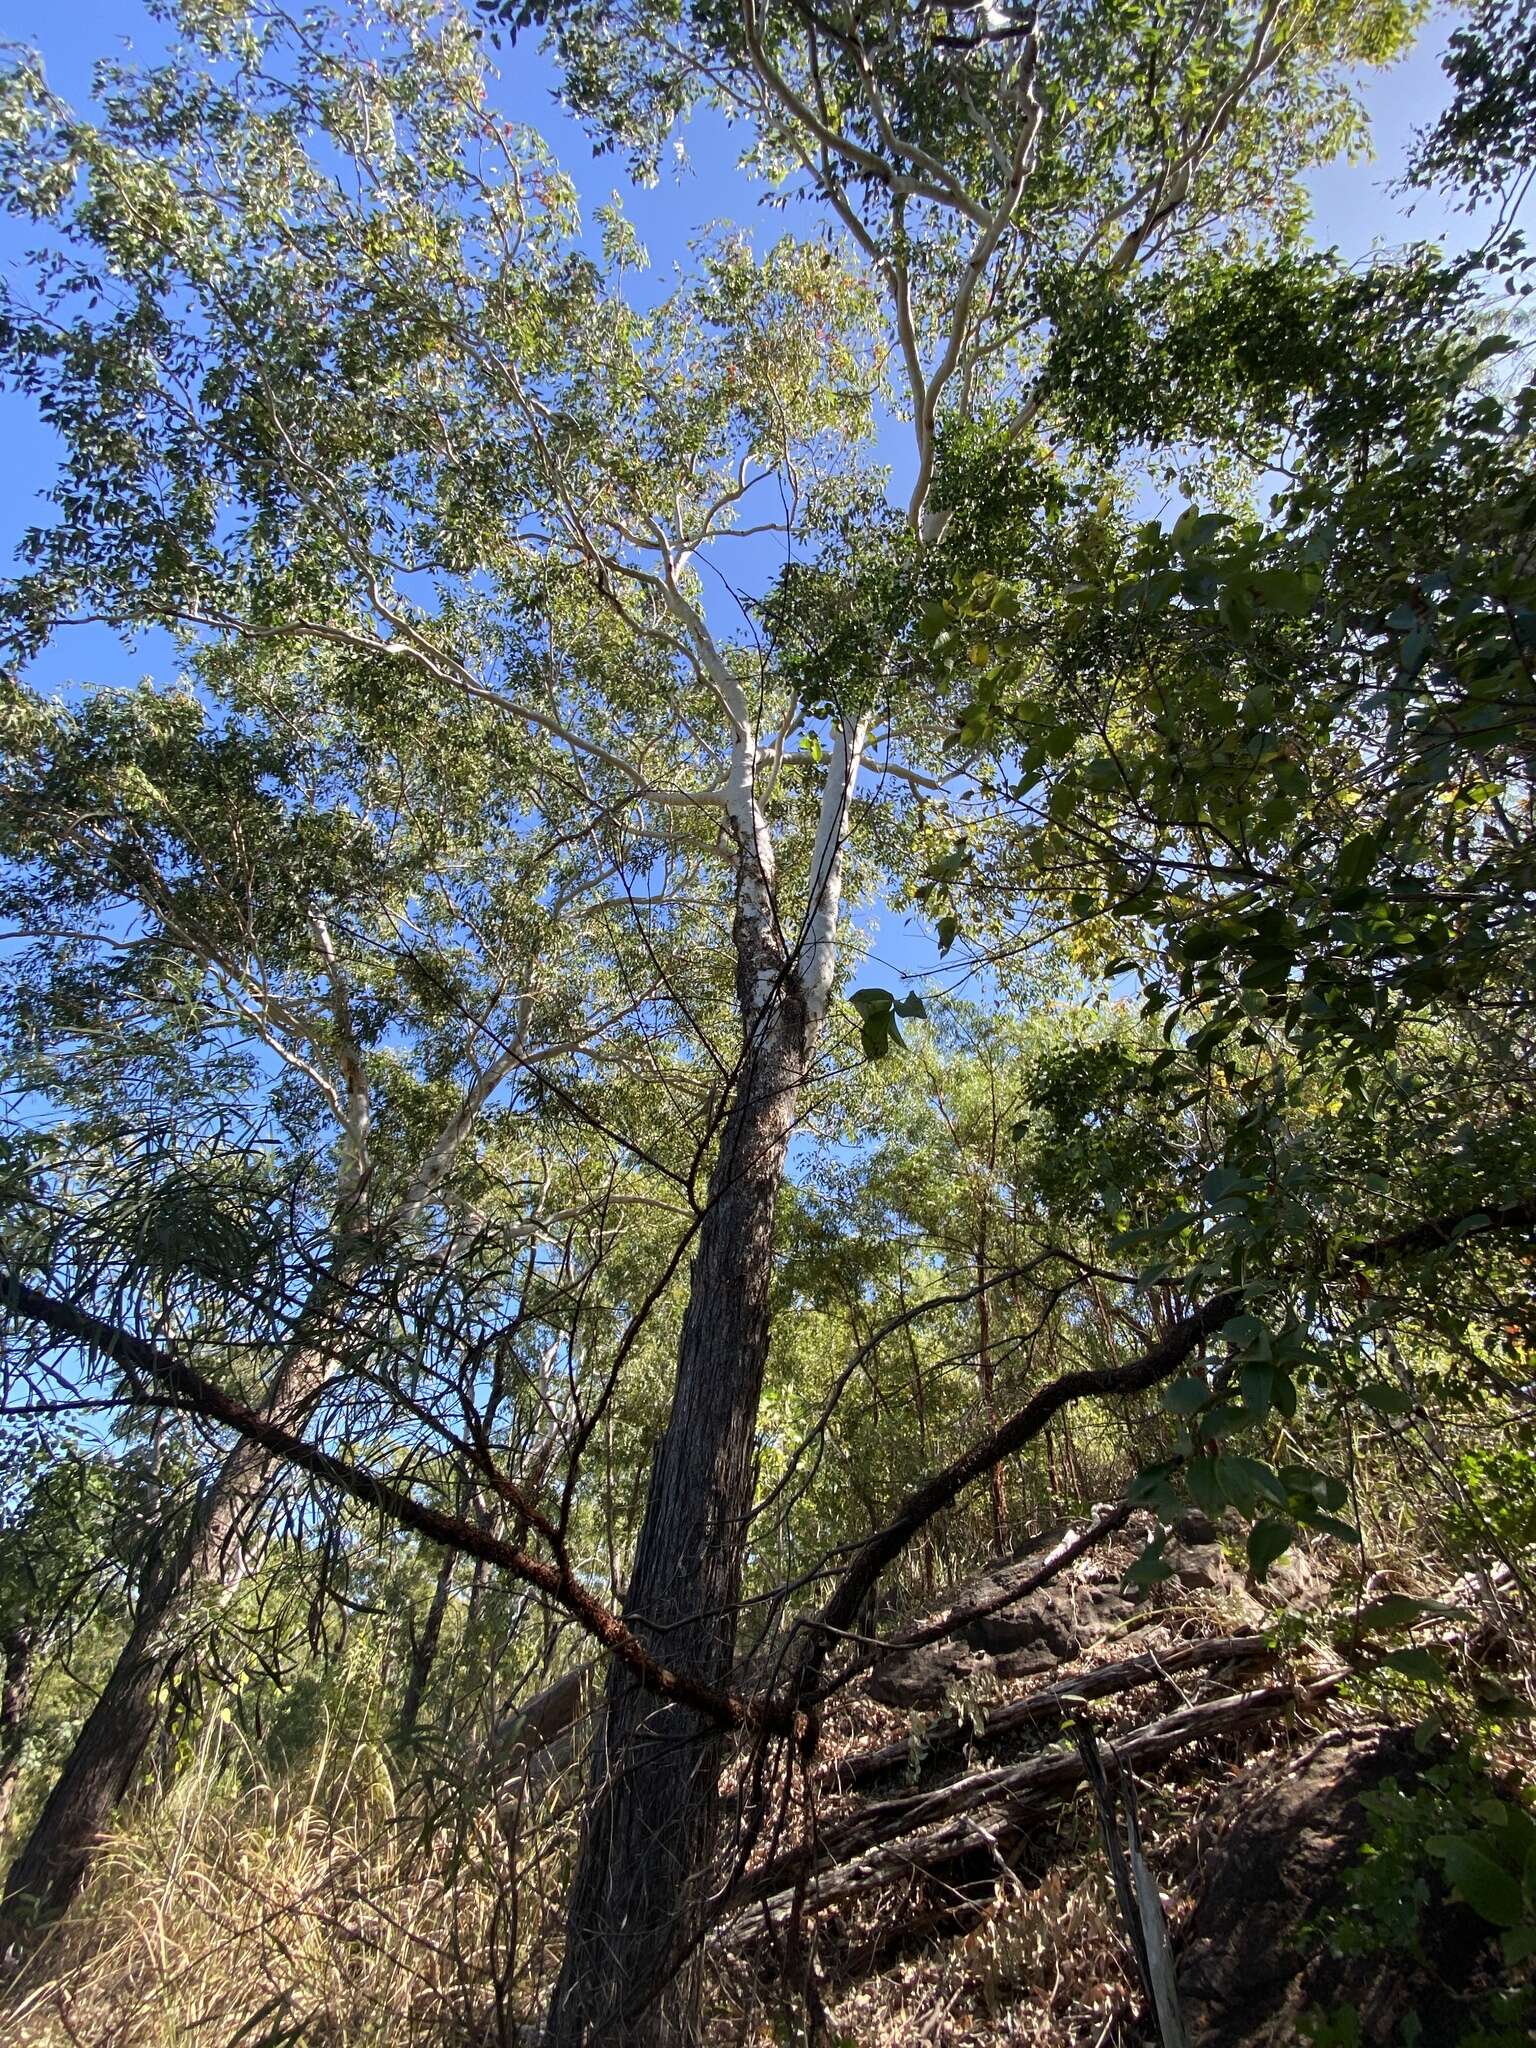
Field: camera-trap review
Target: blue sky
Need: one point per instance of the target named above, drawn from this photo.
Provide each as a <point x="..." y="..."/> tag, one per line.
<point x="1356" y="208"/>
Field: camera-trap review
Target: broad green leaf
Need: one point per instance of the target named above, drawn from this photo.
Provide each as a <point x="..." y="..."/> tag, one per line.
<point x="1149" y="1568"/>
<point x="878" y="1010"/>
<point x="1477" y="1880"/>
<point x="1247" y="1334"/>
<point x="1205" y="1487"/>
<point x="1344" y="1532"/>
<point x="1268" y="1541"/>
<point x="1402" y="1610"/>
<point x="1187" y="1396"/>
<point x="1221" y="1420"/>
<point x="1307" y="1482"/>
<point x="1387" y="1400"/>
<point x="1247" y="1481"/>
<point x="1257" y="1383"/>
<point x="1416" y="1662"/>
<point x="1153" y="1487"/>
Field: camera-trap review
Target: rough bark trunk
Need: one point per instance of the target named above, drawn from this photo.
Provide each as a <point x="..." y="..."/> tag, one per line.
<point x="18" y="1647"/>
<point x="55" y="1860"/>
<point x="424" y="1649"/>
<point x="1002" y="1530"/>
<point x="636" y="1910"/>
<point x="56" y="1856"/>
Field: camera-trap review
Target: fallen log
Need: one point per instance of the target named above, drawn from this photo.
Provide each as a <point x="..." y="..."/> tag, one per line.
<point x="843" y="1774"/>
<point x="1073" y="1544"/>
<point x="535" y="1724"/>
<point x="986" y="1812"/>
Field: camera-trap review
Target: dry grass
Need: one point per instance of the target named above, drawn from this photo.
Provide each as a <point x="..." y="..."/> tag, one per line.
<point x="243" y="1908"/>
<point x="1044" y="1964"/>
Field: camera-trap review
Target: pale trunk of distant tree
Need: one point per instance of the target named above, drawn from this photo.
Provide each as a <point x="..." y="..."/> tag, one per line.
<point x="928" y="1556"/>
<point x="1002" y="1531"/>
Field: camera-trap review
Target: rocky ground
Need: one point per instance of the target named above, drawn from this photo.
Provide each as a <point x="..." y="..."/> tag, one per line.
<point x="944" y="1874"/>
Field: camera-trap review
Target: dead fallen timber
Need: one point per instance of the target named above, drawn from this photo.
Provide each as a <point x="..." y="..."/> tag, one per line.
<point x="844" y="1774"/>
<point x="921" y="1835"/>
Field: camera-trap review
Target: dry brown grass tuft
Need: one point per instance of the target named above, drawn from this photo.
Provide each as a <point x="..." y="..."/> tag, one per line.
<point x="242" y="1907"/>
<point x="1043" y="1966"/>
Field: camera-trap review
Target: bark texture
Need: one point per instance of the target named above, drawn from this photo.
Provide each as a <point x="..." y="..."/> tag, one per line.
<point x="18" y="1650"/>
<point x="55" y="1860"/>
<point x="637" y="1906"/>
<point x="424" y="1649"/>
<point x="1002" y="1527"/>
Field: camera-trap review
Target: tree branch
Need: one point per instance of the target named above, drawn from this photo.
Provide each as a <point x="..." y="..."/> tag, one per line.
<point x="191" y="1390"/>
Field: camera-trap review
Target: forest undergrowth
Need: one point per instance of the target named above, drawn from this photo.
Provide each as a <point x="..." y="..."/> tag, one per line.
<point x="341" y="1894"/>
<point x="575" y="1467"/>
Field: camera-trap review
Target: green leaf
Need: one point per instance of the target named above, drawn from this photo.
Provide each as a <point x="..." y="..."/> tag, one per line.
<point x="878" y="1010"/>
<point x="1494" y="345"/>
<point x="1223" y="1183"/>
<point x="1402" y="1610"/>
<point x="1194" y="529"/>
<point x="870" y="1002"/>
<point x="1356" y="857"/>
<point x="1467" y="1225"/>
<point x="1477" y="1880"/>
<point x="1285" y="590"/>
<point x="1149" y="1569"/>
<point x="1245" y="1333"/>
<point x="1257" y="1382"/>
<point x="1187" y="1396"/>
<point x="1308" y="1483"/>
<point x="1152" y="1487"/>
<point x="1387" y="1400"/>
<point x="1268" y="1540"/>
<point x="1209" y="1036"/>
<point x="1205" y="1488"/>
<point x="1330" y="1525"/>
<point x="1222" y="1420"/>
<point x="877" y="1034"/>
<point x="1247" y="1481"/>
<point x="1416" y="1662"/>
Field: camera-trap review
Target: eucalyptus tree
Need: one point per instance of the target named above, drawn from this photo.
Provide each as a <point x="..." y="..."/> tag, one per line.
<point x="385" y="431"/>
<point x="282" y="970"/>
<point x="352" y="392"/>
<point x="982" y="168"/>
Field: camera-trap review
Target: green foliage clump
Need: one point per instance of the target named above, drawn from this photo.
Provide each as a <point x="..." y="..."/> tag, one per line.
<point x="1498" y="1482"/>
<point x="1450" y="1834"/>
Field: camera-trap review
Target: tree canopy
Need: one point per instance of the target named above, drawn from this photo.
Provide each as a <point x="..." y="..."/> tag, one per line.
<point x="449" y="1119"/>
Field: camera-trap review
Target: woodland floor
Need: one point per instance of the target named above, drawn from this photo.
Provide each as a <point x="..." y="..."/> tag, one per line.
<point x="959" y="1892"/>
